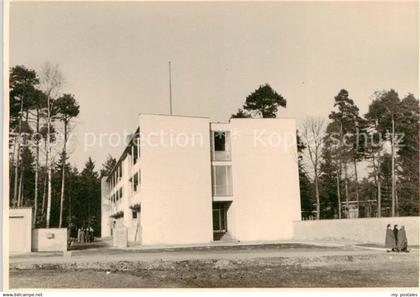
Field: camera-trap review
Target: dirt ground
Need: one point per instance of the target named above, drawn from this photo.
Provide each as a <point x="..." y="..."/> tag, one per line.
<point x="292" y="266"/>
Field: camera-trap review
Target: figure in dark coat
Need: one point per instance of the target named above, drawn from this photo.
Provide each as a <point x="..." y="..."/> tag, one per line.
<point x="396" y="237"/>
<point x="82" y="235"/>
<point x="389" y="239"/>
<point x="79" y="235"/>
<point x="402" y="240"/>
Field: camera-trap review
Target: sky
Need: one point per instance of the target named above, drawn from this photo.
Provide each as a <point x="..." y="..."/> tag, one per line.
<point x="114" y="57"/>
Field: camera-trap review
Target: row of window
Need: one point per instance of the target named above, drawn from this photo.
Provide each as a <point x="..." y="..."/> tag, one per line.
<point x="134" y="152"/>
<point x="221" y="182"/>
<point x="134" y="214"/>
<point x="134" y="149"/>
<point x="117" y="195"/>
<point x="134" y="186"/>
<point x="135" y="182"/>
<point x="220" y="149"/>
<point x="222" y="175"/>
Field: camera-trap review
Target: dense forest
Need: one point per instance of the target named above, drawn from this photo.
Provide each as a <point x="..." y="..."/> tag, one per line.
<point x="384" y="143"/>
<point x="41" y="121"/>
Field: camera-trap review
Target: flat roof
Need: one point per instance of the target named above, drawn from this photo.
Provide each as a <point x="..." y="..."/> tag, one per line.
<point x="183" y="116"/>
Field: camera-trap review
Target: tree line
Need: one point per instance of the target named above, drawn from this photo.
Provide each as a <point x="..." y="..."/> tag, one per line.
<point x="383" y="143"/>
<point x="41" y="120"/>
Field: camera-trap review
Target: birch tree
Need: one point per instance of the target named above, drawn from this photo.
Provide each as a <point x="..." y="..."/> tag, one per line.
<point x="51" y="82"/>
<point x="312" y="134"/>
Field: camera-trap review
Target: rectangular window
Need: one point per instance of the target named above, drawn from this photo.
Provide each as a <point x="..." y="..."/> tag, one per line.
<point x="221" y="146"/>
<point x="135" y="182"/>
<point x="135" y="151"/>
<point x="219" y="141"/>
<point x="134" y="214"/>
<point x="222" y="180"/>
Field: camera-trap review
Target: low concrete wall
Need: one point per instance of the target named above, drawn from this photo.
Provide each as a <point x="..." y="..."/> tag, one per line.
<point x="20" y="227"/>
<point x="366" y="230"/>
<point x="49" y="240"/>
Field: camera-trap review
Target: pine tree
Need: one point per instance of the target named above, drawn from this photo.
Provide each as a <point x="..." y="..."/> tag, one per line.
<point x="348" y="122"/>
<point x="90" y="191"/>
<point x="108" y="166"/>
<point x="23" y="82"/>
<point x="263" y="102"/>
<point x="66" y="108"/>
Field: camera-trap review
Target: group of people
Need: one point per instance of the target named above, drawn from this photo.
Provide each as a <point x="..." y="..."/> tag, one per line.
<point x="85" y="234"/>
<point x="396" y="239"/>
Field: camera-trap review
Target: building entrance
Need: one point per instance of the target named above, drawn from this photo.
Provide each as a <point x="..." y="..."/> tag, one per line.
<point x="220" y="219"/>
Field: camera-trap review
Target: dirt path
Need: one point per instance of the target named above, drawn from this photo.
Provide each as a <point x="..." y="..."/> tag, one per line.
<point x="218" y="274"/>
<point x="106" y="255"/>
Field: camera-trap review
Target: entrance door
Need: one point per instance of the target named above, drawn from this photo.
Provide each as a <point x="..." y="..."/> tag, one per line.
<point x="219" y="219"/>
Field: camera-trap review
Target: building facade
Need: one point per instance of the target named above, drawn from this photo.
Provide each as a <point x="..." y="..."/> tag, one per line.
<point x="184" y="180"/>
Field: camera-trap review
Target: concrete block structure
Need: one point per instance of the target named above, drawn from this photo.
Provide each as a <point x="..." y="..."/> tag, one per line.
<point x="49" y="240"/>
<point x="20" y="228"/>
<point x="185" y="180"/>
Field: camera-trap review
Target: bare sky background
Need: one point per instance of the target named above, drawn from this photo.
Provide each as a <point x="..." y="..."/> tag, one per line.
<point x="115" y="56"/>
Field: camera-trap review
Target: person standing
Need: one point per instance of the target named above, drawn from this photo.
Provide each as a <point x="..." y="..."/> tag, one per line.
<point x="79" y="235"/>
<point x="396" y="237"/>
<point x="82" y="235"/>
<point x="389" y="239"/>
<point x="402" y="240"/>
<point x="91" y="237"/>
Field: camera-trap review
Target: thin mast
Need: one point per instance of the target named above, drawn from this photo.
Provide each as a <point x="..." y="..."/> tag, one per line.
<point x="170" y="89"/>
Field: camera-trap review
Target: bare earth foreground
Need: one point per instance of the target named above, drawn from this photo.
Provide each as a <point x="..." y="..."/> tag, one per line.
<point x="272" y="265"/>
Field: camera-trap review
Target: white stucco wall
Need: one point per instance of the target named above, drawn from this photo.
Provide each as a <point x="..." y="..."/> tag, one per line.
<point x="175" y="185"/>
<point x="20" y="230"/>
<point x="49" y="239"/>
<point x="265" y="179"/>
<point x="364" y="230"/>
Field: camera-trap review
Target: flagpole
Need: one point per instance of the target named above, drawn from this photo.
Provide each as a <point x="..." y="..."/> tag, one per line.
<point x="170" y="89"/>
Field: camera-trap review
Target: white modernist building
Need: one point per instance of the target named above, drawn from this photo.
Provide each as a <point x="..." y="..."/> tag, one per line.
<point x="184" y="180"/>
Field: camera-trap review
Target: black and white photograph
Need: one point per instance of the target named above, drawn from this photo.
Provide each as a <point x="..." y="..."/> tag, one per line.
<point x="211" y="145"/>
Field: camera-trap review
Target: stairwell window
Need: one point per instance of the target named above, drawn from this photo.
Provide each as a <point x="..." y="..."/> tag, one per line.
<point x="222" y="180"/>
<point x="221" y="146"/>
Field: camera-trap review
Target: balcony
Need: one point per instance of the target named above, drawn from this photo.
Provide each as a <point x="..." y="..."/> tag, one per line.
<point x="222" y="190"/>
<point x="221" y="156"/>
